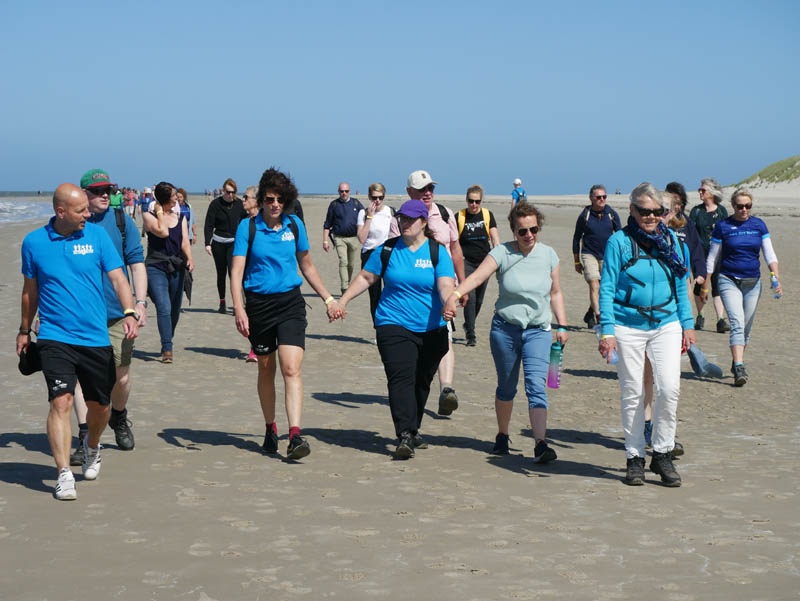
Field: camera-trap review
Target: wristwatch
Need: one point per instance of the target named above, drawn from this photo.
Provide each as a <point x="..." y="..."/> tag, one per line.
<point x="142" y="302"/>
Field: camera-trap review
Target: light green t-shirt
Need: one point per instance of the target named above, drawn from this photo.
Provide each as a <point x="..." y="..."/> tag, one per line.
<point x="525" y="284"/>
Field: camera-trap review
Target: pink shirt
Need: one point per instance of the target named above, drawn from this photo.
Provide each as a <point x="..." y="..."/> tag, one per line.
<point x="445" y="233"/>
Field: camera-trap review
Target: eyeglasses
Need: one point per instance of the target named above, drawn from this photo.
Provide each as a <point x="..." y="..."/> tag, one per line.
<point x="428" y="188"/>
<point x="376" y="197"/>
<point x="647" y="212"/>
<point x="100" y="190"/>
<point x="523" y="231"/>
<point x="474" y="201"/>
<point x="230" y="191"/>
<point x="601" y="196"/>
<point x="739" y="207"/>
<point x="268" y="200"/>
<point x="701" y="190"/>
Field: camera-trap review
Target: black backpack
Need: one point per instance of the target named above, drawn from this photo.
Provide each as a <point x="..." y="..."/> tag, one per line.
<point x="389" y="245"/>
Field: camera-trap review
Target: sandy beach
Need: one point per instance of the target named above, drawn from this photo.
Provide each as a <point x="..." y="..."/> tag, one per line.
<point x="196" y="512"/>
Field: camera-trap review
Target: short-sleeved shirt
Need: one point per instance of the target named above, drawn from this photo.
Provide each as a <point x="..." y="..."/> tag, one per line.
<point x="741" y="244"/>
<point x="133" y="253"/>
<point x="705" y="222"/>
<point x="410" y="297"/>
<point x="69" y="273"/>
<point x="378" y="227"/>
<point x="445" y="233"/>
<point x="474" y="238"/>
<point x="341" y="217"/>
<point x="273" y="258"/>
<point x="525" y="283"/>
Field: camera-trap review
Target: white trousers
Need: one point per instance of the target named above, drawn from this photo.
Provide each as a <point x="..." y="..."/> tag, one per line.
<point x="663" y="348"/>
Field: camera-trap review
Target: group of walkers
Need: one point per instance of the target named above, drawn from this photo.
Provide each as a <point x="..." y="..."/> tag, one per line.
<point x="420" y="264"/>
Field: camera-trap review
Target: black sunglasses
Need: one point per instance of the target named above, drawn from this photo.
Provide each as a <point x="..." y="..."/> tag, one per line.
<point x="601" y="196"/>
<point x="524" y="230"/>
<point x="429" y="187"/>
<point x="376" y="197"/>
<point x="100" y="190"/>
<point x="477" y="202"/>
<point x="748" y="206"/>
<point x="647" y="212"/>
<point x="268" y="200"/>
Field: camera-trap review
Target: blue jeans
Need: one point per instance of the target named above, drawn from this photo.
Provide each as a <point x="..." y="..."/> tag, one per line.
<point x="166" y="290"/>
<point x="740" y="302"/>
<point x="511" y="344"/>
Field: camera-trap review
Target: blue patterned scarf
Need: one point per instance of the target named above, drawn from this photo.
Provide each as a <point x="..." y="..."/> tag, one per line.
<point x="660" y="244"/>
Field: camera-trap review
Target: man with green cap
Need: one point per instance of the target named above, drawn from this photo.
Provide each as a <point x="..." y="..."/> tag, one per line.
<point x="124" y="235"/>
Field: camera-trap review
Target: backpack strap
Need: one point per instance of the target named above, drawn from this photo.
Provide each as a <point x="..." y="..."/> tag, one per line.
<point x="433" y="248"/>
<point x="486" y="219"/>
<point x="294" y="229"/>
<point x="121" y="226"/>
<point x="386" y="253"/>
<point x="443" y="212"/>
<point x="250" y="237"/>
<point x="461" y="219"/>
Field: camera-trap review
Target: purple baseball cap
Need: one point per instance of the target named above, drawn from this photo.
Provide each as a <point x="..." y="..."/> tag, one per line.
<point x="413" y="208"/>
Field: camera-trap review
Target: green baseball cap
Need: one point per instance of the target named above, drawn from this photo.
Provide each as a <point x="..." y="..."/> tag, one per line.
<point x="95" y="177"/>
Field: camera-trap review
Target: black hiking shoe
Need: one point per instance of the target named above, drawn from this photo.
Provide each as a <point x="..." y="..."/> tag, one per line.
<point x="722" y="326"/>
<point x="418" y="442"/>
<point x="699" y="322"/>
<point x="223" y="309"/>
<point x="405" y="446"/>
<point x="739" y="375"/>
<point x="661" y="464"/>
<point x="677" y="450"/>
<point x="270" y="445"/>
<point x="76" y="457"/>
<point x="448" y="401"/>
<point x="298" y="447"/>
<point x="501" y="444"/>
<point x="590" y="319"/>
<point x="543" y="454"/>
<point x="122" y="430"/>
<point x="635" y="472"/>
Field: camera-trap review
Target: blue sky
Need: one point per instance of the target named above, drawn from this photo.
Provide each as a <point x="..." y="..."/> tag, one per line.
<point x="563" y="95"/>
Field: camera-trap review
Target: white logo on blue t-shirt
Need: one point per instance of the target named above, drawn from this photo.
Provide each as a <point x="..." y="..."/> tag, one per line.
<point x="287" y="236"/>
<point x="423" y="264"/>
<point x="82" y="249"/>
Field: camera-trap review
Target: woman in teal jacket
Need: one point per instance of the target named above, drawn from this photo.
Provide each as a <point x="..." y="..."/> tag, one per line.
<point x="644" y="308"/>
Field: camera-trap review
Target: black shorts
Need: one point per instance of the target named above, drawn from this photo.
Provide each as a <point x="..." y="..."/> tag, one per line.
<point x="65" y="364"/>
<point x="714" y="285"/>
<point x="276" y="319"/>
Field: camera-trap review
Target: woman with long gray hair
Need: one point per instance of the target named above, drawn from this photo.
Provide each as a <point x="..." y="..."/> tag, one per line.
<point x="644" y="308"/>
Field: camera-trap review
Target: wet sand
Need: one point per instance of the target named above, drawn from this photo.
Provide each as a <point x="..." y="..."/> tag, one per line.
<point x="197" y="513"/>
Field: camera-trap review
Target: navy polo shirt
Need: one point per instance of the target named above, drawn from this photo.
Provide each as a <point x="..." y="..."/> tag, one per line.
<point x="595" y="231"/>
<point x="342" y="217"/>
<point x="69" y="273"/>
<point x="273" y="260"/>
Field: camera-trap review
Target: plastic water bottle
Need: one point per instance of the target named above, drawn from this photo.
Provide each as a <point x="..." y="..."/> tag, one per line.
<point x="554" y="370"/>
<point x="614" y="356"/>
<point x="773" y="282"/>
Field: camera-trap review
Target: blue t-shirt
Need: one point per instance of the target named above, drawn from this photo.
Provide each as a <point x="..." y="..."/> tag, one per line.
<point x="410" y="297"/>
<point x="69" y="273"/>
<point x="273" y="260"/>
<point x="133" y="254"/>
<point x="516" y="193"/>
<point x="741" y="243"/>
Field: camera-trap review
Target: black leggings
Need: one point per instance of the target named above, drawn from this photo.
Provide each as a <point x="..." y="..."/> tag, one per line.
<point x="410" y="360"/>
<point x="223" y="259"/>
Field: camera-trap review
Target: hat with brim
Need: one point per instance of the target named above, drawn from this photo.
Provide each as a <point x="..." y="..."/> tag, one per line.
<point x="413" y="209"/>
<point x="29" y="360"/>
<point x="419" y="179"/>
<point x="95" y="177"/>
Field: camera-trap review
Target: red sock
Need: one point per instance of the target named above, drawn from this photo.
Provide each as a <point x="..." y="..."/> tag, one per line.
<point x="293" y="430"/>
<point x="272" y="427"/>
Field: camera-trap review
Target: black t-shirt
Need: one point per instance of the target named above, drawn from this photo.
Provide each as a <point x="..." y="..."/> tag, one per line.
<point x="474" y="238"/>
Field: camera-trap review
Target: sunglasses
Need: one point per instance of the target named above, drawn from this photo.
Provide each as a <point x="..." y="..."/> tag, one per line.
<point x="428" y="188"/>
<point x="523" y="231"/>
<point x="647" y="212"/>
<point x="601" y="197"/>
<point x="472" y="201"/>
<point x="748" y="206"/>
<point x="344" y="191"/>
<point x="268" y="200"/>
<point x="100" y="190"/>
<point x="376" y="197"/>
<point x="701" y="190"/>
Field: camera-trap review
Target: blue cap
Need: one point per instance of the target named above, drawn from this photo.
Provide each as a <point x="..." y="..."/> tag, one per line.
<point x="414" y="208"/>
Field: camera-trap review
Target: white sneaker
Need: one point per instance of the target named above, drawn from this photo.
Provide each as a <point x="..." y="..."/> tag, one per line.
<point x="65" y="486"/>
<point x="91" y="460"/>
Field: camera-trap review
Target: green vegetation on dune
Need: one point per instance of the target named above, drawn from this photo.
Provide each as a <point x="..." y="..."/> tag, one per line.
<point x="782" y="171"/>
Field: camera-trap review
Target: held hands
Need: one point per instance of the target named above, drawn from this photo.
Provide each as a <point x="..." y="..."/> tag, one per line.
<point x="336" y="310"/>
<point x="450" y="308"/>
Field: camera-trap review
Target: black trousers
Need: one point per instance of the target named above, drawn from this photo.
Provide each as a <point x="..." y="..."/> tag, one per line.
<point x="410" y="360"/>
<point x="223" y="259"/>
<point x="473" y="306"/>
<point x="374" y="291"/>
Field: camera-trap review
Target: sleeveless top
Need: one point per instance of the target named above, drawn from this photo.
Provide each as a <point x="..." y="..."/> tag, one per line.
<point x="171" y="245"/>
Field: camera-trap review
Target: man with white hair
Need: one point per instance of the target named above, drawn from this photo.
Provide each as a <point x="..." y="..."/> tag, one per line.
<point x="518" y="193"/>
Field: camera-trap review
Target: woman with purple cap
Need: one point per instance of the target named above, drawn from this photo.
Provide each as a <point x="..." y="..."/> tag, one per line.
<point x="418" y="275"/>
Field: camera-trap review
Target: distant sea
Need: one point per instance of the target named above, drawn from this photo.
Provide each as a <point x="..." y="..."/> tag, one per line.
<point x="16" y="207"/>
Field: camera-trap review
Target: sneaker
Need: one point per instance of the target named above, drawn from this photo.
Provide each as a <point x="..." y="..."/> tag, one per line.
<point x="418" y="442"/>
<point x="166" y="357"/>
<point x="223" y="308"/>
<point x="65" y="486"/>
<point x="298" y="447"/>
<point x="501" y="444"/>
<point x="543" y="454"/>
<point x="661" y="464"/>
<point x="122" y="431"/>
<point x="739" y="375"/>
<point x="471" y="341"/>
<point x="270" y="445"/>
<point x="699" y="322"/>
<point x="405" y="446"/>
<point x="91" y="460"/>
<point x="722" y="326"/>
<point x="251" y="358"/>
<point x="634" y="475"/>
<point x="448" y="401"/>
<point x="677" y="450"/>
<point x="590" y="319"/>
<point x="648" y="433"/>
<point x="76" y="457"/>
